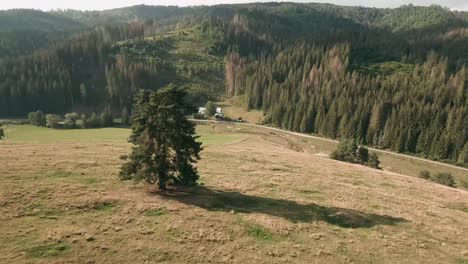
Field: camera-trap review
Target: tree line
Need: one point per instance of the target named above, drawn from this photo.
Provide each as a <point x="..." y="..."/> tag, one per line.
<point x="75" y="120"/>
<point x="83" y="71"/>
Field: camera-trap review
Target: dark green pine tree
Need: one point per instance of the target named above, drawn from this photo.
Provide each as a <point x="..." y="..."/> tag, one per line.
<point x="125" y="117"/>
<point x="165" y="143"/>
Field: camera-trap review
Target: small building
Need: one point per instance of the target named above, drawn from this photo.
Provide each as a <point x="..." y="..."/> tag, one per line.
<point x="202" y="110"/>
<point x="219" y="110"/>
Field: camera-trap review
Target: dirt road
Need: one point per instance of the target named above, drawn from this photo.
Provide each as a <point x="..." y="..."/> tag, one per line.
<point x="334" y="141"/>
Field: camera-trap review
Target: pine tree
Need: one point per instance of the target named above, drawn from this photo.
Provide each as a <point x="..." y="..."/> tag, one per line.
<point x="362" y="155"/>
<point x="165" y="141"/>
<point x="445" y="179"/>
<point x="125" y="116"/>
<point x="106" y="117"/>
<point x="210" y="108"/>
<point x="463" y="157"/>
<point x="37" y="118"/>
<point x="374" y="161"/>
<point x="83" y="93"/>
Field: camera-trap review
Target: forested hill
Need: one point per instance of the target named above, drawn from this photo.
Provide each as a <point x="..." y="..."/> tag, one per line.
<point x="392" y="78"/>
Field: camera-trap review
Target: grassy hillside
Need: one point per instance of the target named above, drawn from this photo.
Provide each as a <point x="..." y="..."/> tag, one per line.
<point x="198" y="69"/>
<point x="187" y="56"/>
<point x="262" y="199"/>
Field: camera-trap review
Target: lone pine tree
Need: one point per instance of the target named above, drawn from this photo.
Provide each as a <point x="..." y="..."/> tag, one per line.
<point x="165" y="143"/>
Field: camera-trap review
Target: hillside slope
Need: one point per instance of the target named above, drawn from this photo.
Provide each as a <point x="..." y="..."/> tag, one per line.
<point x="25" y="19"/>
<point x="23" y="31"/>
<point x="261" y="200"/>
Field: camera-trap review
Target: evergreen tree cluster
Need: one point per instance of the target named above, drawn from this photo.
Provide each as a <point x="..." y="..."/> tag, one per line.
<point x="443" y="178"/>
<point x="71" y="120"/>
<point x="349" y="151"/>
<point x="312" y="89"/>
<point x="37" y="118"/>
<point x="83" y="71"/>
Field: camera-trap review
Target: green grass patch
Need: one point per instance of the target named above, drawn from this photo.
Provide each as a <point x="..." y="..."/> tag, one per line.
<point x="310" y="194"/>
<point x="385" y="184"/>
<point x="34" y="134"/>
<point x="41" y="211"/>
<point x="47" y="250"/>
<point x="464" y="184"/>
<point x="220" y="139"/>
<point x="58" y="174"/>
<point x="461" y="260"/>
<point x="155" y="212"/>
<point x="256" y="231"/>
<point x="104" y="206"/>
<point x="90" y="181"/>
<point x="459" y="207"/>
<point x="28" y="133"/>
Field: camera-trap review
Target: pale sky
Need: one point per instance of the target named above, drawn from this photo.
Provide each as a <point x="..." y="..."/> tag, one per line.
<point x="109" y="4"/>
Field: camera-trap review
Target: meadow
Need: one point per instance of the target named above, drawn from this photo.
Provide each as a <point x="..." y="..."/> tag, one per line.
<point x="264" y="197"/>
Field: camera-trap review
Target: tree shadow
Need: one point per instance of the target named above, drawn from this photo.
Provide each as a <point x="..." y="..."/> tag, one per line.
<point x="226" y="201"/>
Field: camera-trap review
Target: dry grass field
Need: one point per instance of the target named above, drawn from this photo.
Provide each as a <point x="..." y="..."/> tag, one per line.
<point x="263" y="198"/>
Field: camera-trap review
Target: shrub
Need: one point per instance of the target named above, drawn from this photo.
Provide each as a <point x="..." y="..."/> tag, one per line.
<point x="106" y="118"/>
<point x="424" y="174"/>
<point x="362" y="154"/>
<point x="2" y="134"/>
<point x="349" y="151"/>
<point x="93" y="121"/>
<point x="463" y="156"/>
<point x="210" y="108"/>
<point x="52" y="121"/>
<point x="84" y="121"/>
<point x="125" y="117"/>
<point x="37" y="118"/>
<point x="374" y="161"/>
<point x="445" y="179"/>
<point x="70" y="120"/>
<point x="346" y="151"/>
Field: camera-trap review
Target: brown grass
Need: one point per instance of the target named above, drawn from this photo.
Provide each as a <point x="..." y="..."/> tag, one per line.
<point x="261" y="201"/>
<point x="236" y="107"/>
